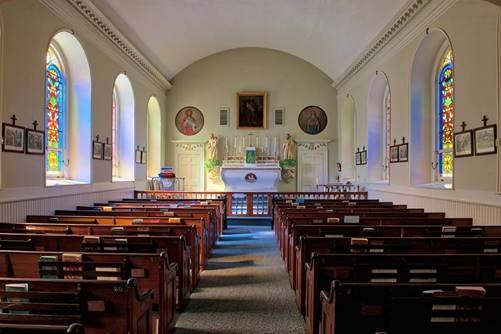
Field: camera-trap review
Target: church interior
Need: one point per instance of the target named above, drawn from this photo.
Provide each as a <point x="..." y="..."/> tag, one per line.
<point x="250" y="166"/>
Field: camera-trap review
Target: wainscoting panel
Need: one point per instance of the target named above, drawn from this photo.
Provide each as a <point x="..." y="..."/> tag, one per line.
<point x="16" y="211"/>
<point x="482" y="214"/>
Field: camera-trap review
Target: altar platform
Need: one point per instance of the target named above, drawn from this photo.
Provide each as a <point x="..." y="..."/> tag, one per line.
<point x="261" y="177"/>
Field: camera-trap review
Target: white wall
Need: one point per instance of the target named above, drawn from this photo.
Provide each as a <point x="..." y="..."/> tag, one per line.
<point x="27" y="26"/>
<point x="472" y="27"/>
<point x="213" y="82"/>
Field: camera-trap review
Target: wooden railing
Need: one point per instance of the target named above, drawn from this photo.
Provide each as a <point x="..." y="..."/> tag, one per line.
<point x="249" y="204"/>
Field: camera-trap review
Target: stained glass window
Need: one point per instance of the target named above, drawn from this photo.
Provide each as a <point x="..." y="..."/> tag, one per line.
<point x="114" y="135"/>
<point x="56" y="107"/>
<point x="386" y="134"/>
<point x="446" y="114"/>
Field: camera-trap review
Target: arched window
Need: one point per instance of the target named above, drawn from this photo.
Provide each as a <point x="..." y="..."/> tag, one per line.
<point x="67" y="112"/>
<point x="445" y="116"/>
<point x="123" y="109"/>
<point x="432" y="112"/>
<point x="115" y="119"/>
<point x="378" y="131"/>
<point x="386" y="133"/>
<point x="154" y="144"/>
<point x="348" y="139"/>
<point x="56" y="110"/>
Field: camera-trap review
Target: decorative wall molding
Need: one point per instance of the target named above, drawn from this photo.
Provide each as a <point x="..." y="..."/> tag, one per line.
<point x="312" y="144"/>
<point x="189" y="146"/>
<point x="394" y="32"/>
<point x="110" y="33"/>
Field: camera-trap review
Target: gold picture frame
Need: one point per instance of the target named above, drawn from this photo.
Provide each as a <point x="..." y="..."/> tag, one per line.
<point x="252" y="110"/>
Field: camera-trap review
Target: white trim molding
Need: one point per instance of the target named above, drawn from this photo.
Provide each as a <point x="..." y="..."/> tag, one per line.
<point x="70" y="10"/>
<point x="404" y="27"/>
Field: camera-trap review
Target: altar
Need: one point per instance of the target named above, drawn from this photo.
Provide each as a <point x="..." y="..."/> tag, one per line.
<point x="251" y="174"/>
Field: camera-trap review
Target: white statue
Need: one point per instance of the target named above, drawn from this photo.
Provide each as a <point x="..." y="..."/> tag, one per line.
<point x="212" y="146"/>
<point x="288" y="147"/>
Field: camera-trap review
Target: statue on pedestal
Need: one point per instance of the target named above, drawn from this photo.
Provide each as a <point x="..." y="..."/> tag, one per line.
<point x="288" y="147"/>
<point x="212" y="164"/>
<point x="288" y="163"/>
<point x="212" y="147"/>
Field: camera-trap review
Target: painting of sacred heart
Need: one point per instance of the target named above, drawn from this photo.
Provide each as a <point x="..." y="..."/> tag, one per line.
<point x="252" y="110"/>
<point x="189" y="121"/>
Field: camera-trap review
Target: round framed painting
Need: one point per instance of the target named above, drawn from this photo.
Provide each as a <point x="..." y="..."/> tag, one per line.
<point x="312" y="120"/>
<point x="189" y="121"/>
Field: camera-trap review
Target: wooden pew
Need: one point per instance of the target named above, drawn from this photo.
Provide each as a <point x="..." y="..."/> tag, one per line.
<point x="55" y="306"/>
<point x="356" y="230"/>
<point x="175" y="248"/>
<point x="393" y="268"/>
<point x="151" y="271"/>
<point x="219" y="203"/>
<point x="375" y="221"/>
<point x="378" y="245"/>
<point x="139" y="221"/>
<point x="204" y="215"/>
<point x="188" y="232"/>
<point x="367" y="308"/>
<point x="379" y="218"/>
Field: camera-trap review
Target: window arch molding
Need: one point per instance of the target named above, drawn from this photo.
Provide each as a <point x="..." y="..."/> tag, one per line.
<point x="423" y="110"/>
<point x="379" y="127"/>
<point x="123" y="130"/>
<point x="76" y="160"/>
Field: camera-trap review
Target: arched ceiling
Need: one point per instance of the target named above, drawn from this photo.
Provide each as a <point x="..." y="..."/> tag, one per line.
<point x="173" y="34"/>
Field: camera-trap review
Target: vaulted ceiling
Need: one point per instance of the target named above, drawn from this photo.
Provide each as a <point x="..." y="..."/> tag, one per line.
<point x="173" y="34"/>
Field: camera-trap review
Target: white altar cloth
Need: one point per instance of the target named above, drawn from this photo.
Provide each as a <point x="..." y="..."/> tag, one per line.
<point x="258" y="178"/>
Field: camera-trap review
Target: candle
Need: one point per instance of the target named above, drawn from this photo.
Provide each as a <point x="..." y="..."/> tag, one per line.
<point x="275" y="147"/>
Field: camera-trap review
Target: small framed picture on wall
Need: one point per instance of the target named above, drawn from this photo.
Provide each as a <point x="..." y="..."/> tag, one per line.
<point x="394" y="153"/>
<point x="403" y="152"/>
<point x="138" y="155"/>
<point x="108" y="151"/>
<point x="35" y="142"/>
<point x="485" y="140"/>
<point x="358" y="158"/>
<point x="463" y="144"/>
<point x="224" y="116"/>
<point x="13" y="138"/>
<point x="363" y="157"/>
<point x="279" y="116"/>
<point x="97" y="150"/>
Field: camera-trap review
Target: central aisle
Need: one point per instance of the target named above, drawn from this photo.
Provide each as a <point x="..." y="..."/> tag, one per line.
<point x="244" y="289"/>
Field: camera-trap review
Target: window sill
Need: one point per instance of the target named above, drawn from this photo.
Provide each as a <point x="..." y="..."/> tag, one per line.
<point x="436" y="185"/>
<point x="383" y="182"/>
<point x="120" y="179"/>
<point x="62" y="182"/>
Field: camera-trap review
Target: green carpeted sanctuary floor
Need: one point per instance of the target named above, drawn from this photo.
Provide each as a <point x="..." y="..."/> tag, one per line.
<point x="245" y="288"/>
